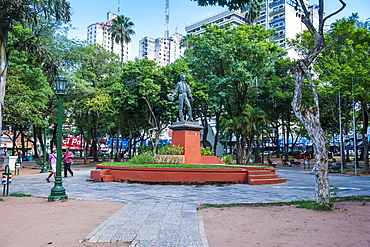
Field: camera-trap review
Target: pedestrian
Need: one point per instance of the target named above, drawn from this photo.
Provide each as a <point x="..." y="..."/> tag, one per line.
<point x="67" y="161"/>
<point x="53" y="164"/>
<point x="19" y="158"/>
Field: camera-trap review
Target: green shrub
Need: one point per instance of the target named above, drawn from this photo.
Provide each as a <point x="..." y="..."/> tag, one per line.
<point x="104" y="158"/>
<point x="228" y="159"/>
<point x="170" y="150"/>
<point x="145" y="149"/>
<point x="167" y="160"/>
<point x="144" y="158"/>
<point x="206" y="151"/>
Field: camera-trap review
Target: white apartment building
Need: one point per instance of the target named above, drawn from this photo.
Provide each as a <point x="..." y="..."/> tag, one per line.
<point x="282" y="16"/>
<point x="100" y="33"/>
<point x="161" y="50"/>
<point x="235" y="17"/>
<point x="276" y="14"/>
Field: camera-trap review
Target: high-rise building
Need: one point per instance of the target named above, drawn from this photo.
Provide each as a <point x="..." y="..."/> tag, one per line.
<point x="161" y="50"/>
<point x="100" y="33"/>
<point x="280" y="15"/>
<point x="236" y="18"/>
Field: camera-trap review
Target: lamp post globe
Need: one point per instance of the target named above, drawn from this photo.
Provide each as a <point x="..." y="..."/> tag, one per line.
<point x="58" y="192"/>
<point x="60" y="85"/>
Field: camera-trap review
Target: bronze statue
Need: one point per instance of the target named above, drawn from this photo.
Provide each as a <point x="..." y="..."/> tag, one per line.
<point x="185" y="97"/>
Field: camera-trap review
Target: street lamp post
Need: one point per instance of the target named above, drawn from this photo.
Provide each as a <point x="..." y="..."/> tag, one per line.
<point x="58" y="192"/>
<point x="44" y="165"/>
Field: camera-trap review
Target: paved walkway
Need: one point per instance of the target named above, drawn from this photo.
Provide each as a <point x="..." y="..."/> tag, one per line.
<point x="165" y="215"/>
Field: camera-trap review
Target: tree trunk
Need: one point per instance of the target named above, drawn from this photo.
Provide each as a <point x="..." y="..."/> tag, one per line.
<point x="217" y="132"/>
<point x="205" y="130"/>
<point x="257" y="154"/>
<point x="310" y="117"/>
<point x="3" y="71"/>
<point x="239" y="151"/>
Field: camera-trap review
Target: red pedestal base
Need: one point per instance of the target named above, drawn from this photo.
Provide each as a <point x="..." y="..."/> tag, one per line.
<point x="190" y="141"/>
<point x="187" y="135"/>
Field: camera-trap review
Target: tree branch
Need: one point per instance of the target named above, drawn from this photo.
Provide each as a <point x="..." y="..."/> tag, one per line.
<point x="336" y="12"/>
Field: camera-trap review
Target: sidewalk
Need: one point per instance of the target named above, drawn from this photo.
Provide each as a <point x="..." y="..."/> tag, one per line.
<point x="165" y="215"/>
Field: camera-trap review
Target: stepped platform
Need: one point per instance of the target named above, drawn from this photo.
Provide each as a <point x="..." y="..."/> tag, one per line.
<point x="253" y="175"/>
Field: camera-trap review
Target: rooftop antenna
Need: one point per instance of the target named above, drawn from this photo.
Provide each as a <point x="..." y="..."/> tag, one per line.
<point x="167" y="20"/>
<point x="119" y="6"/>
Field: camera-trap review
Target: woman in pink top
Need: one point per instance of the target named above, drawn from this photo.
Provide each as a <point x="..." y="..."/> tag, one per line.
<point x="67" y="161"/>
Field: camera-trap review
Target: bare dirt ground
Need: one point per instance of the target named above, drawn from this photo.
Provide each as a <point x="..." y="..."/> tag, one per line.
<point x="32" y="221"/>
<point x="288" y="226"/>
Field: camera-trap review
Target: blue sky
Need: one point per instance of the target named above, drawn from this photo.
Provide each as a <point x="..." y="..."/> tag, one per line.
<point x="149" y="15"/>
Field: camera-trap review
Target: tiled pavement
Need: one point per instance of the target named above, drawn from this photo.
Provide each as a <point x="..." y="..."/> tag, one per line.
<point x="165" y="215"/>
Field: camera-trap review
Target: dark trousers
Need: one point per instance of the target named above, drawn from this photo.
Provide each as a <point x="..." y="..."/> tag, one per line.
<point x="67" y="166"/>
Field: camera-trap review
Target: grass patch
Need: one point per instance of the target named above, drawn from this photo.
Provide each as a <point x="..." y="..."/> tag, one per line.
<point x="350" y="199"/>
<point x="1" y="199"/>
<point x="299" y="204"/>
<point x="19" y="195"/>
<point x="129" y="164"/>
<point x="92" y="165"/>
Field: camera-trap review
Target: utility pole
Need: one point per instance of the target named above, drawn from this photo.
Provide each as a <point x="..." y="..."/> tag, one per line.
<point x="354" y="131"/>
<point x="342" y="156"/>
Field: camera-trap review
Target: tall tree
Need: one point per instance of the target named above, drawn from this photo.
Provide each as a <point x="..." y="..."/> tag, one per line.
<point x="255" y="125"/>
<point x="88" y="101"/>
<point x="147" y="85"/>
<point x="344" y="65"/>
<point x="24" y="12"/>
<point x="231" y="62"/>
<point x="307" y="112"/>
<point x="122" y="30"/>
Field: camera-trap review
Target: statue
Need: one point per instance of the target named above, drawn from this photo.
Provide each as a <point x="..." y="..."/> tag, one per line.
<point x="185" y="97"/>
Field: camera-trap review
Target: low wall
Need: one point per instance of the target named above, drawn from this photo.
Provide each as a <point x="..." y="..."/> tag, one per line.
<point x="253" y="175"/>
<point x="172" y="175"/>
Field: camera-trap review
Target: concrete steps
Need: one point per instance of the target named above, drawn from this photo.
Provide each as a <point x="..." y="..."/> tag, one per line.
<point x="260" y="177"/>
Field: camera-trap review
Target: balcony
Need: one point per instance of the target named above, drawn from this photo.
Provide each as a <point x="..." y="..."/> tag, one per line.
<point x="272" y="21"/>
<point x="262" y="17"/>
<point x="278" y="10"/>
<point x="278" y="36"/>
<point x="276" y="3"/>
<point x="281" y="28"/>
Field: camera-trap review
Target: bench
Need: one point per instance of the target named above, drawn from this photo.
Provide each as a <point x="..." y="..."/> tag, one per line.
<point x="295" y="163"/>
<point x="332" y="167"/>
<point x="273" y="164"/>
<point x="39" y="163"/>
<point x="287" y="162"/>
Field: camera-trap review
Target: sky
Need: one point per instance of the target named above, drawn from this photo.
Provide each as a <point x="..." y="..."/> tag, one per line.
<point x="149" y="15"/>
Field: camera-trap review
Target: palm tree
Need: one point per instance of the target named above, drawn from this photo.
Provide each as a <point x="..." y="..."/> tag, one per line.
<point x="254" y="119"/>
<point x="122" y="31"/>
<point x="236" y="126"/>
<point x="253" y="11"/>
<point x="24" y="12"/>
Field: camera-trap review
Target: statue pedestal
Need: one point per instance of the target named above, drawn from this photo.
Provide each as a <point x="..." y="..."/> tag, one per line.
<point x="187" y="135"/>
